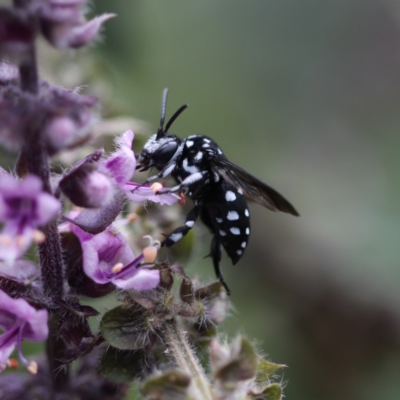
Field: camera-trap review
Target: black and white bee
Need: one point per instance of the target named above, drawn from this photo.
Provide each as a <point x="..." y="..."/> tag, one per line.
<point x="218" y="188"/>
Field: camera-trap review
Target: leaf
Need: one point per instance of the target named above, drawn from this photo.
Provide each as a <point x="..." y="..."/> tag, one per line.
<point x="265" y="370"/>
<point x="122" y="366"/>
<point x="170" y="385"/>
<point x="127" y="327"/>
<point x="271" y="392"/>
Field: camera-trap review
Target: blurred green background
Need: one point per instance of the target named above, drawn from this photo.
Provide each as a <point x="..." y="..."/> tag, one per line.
<point x="305" y="95"/>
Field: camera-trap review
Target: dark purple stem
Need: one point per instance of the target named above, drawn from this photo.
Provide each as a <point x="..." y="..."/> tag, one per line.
<point x="34" y="160"/>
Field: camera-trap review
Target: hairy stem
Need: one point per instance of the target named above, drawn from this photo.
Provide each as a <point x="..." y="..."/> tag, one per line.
<point x="34" y="160"/>
<point x="184" y="357"/>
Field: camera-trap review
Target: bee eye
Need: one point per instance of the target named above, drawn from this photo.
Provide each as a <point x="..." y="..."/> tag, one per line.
<point x="164" y="154"/>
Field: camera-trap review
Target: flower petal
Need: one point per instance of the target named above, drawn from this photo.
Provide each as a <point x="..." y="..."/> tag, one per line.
<point x="122" y="163"/>
<point x="142" y="279"/>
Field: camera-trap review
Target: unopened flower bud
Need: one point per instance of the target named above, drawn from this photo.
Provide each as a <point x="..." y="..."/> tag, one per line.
<point x="60" y="132"/>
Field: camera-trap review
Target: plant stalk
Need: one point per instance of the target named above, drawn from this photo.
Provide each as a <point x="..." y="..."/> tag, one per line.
<point x="185" y="358"/>
<point x="34" y="160"/>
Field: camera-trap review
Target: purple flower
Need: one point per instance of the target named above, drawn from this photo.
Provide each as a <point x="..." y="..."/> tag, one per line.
<point x="107" y="257"/>
<point x="83" y="186"/>
<point x="19" y="321"/>
<point x="23" y="207"/>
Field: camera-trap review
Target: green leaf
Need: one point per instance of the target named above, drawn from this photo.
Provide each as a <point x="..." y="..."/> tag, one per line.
<point x="122" y="366"/>
<point x="271" y="392"/>
<point x="265" y="370"/>
<point x="127" y="327"/>
<point x="170" y="385"/>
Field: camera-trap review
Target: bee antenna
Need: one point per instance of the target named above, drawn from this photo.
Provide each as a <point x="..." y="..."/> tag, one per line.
<point x="175" y="116"/>
<point x="161" y="131"/>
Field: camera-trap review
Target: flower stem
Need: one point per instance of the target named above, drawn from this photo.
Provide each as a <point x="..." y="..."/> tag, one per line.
<point x="184" y="357"/>
<point x="34" y="160"/>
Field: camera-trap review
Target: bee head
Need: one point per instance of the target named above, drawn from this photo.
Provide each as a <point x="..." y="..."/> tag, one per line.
<point x="161" y="147"/>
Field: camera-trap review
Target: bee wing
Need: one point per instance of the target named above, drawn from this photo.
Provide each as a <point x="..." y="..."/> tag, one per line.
<point x="252" y="187"/>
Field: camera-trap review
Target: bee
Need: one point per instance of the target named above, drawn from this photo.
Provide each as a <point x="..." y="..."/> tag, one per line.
<point x="218" y="188"/>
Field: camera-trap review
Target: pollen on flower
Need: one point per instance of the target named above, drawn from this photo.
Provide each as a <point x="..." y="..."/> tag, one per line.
<point x="38" y="236"/>
<point x="132" y="217"/>
<point x="32" y="367"/>
<point x="117" y="268"/>
<point x="150" y="253"/>
<point x="13" y="363"/>
<point x="20" y="241"/>
<point x="156" y="187"/>
<point x="5" y="240"/>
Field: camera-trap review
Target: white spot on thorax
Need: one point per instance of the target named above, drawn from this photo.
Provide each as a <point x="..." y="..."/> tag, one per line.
<point x="192" y="178"/>
<point x="205" y="146"/>
<point x="176" y="236"/>
<point x="189" y="168"/>
<point x="189" y="224"/>
<point x="219" y="151"/>
<point x="232" y="216"/>
<point x="235" y="231"/>
<point x="206" y="140"/>
<point x="240" y="190"/>
<point x="230" y="196"/>
<point x="189" y="143"/>
<point x="199" y="156"/>
<point x="247" y="231"/>
<point x="246" y="212"/>
<point x="193" y="136"/>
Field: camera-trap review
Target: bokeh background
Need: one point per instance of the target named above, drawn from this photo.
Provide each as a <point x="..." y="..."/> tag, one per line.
<point x="305" y="95"/>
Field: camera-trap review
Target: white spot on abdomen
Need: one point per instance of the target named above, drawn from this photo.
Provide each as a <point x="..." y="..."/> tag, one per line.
<point x="232" y="216"/>
<point x="189" y="224"/>
<point x="230" y="196"/>
<point x="239" y="252"/>
<point x="222" y="233"/>
<point x="247" y="231"/>
<point x="219" y="220"/>
<point x="246" y="212"/>
<point x="244" y="244"/>
<point x="189" y="143"/>
<point x="235" y="231"/>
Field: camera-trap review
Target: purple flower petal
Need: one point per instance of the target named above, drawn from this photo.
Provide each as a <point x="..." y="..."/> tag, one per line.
<point x="20" y="321"/>
<point x="122" y="163"/>
<point x="142" y="279"/>
<point x="23" y="207"/>
<point x="8" y="72"/>
<point x="65" y="35"/>
<point x="102" y="252"/>
<point x="144" y="193"/>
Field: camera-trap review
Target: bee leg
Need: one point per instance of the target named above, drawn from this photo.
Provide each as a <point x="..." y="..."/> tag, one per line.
<point x="216" y="257"/>
<point x="162" y="174"/>
<point x="180" y="232"/>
